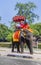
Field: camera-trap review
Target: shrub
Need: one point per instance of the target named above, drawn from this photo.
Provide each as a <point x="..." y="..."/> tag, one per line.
<point x="39" y="46"/>
<point x="5" y="45"/>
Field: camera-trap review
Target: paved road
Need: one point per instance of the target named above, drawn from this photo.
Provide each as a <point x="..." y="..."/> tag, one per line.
<point x="17" y="61"/>
<point x="26" y="54"/>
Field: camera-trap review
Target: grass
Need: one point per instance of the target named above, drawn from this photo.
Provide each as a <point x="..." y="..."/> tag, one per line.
<point x="5" y="44"/>
<point x="39" y="46"/>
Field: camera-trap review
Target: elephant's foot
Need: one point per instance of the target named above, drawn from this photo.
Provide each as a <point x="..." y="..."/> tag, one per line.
<point x="22" y="51"/>
<point x="31" y="53"/>
<point x="18" y="51"/>
<point x="12" y="50"/>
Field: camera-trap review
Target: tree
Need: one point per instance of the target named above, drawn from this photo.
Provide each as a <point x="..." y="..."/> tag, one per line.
<point x="12" y="26"/>
<point x="4" y="31"/>
<point x="27" y="11"/>
<point x="9" y="36"/>
<point x="36" y="28"/>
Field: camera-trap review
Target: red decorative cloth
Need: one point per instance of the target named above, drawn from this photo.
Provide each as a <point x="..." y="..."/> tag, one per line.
<point x="18" y="18"/>
<point x="24" y="26"/>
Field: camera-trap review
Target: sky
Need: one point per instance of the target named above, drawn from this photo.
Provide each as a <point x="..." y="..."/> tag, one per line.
<point x="7" y="10"/>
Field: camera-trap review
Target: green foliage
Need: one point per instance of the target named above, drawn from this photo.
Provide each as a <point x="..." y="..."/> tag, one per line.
<point x="5" y="45"/>
<point x="27" y="10"/>
<point x="9" y="36"/>
<point x="9" y="45"/>
<point x="36" y="32"/>
<point x="36" y="28"/>
<point x="39" y="46"/>
<point x="4" y="31"/>
<point x="12" y="26"/>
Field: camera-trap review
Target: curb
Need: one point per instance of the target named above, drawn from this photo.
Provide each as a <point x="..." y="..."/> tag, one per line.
<point x="20" y="55"/>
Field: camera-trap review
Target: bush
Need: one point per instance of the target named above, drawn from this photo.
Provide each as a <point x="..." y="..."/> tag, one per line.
<point x="8" y="45"/>
<point x="5" y="45"/>
<point x="39" y="46"/>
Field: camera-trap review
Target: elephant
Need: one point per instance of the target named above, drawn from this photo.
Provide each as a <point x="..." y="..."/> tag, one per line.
<point x="25" y="37"/>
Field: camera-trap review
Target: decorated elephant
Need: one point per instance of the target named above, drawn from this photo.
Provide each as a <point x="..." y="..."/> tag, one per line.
<point x="22" y="35"/>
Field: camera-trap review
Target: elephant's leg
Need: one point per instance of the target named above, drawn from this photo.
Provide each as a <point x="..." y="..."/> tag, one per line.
<point x="29" y="44"/>
<point x="29" y="40"/>
<point x="22" y="44"/>
<point x="22" y="48"/>
<point x="18" y="48"/>
<point x="13" y="44"/>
